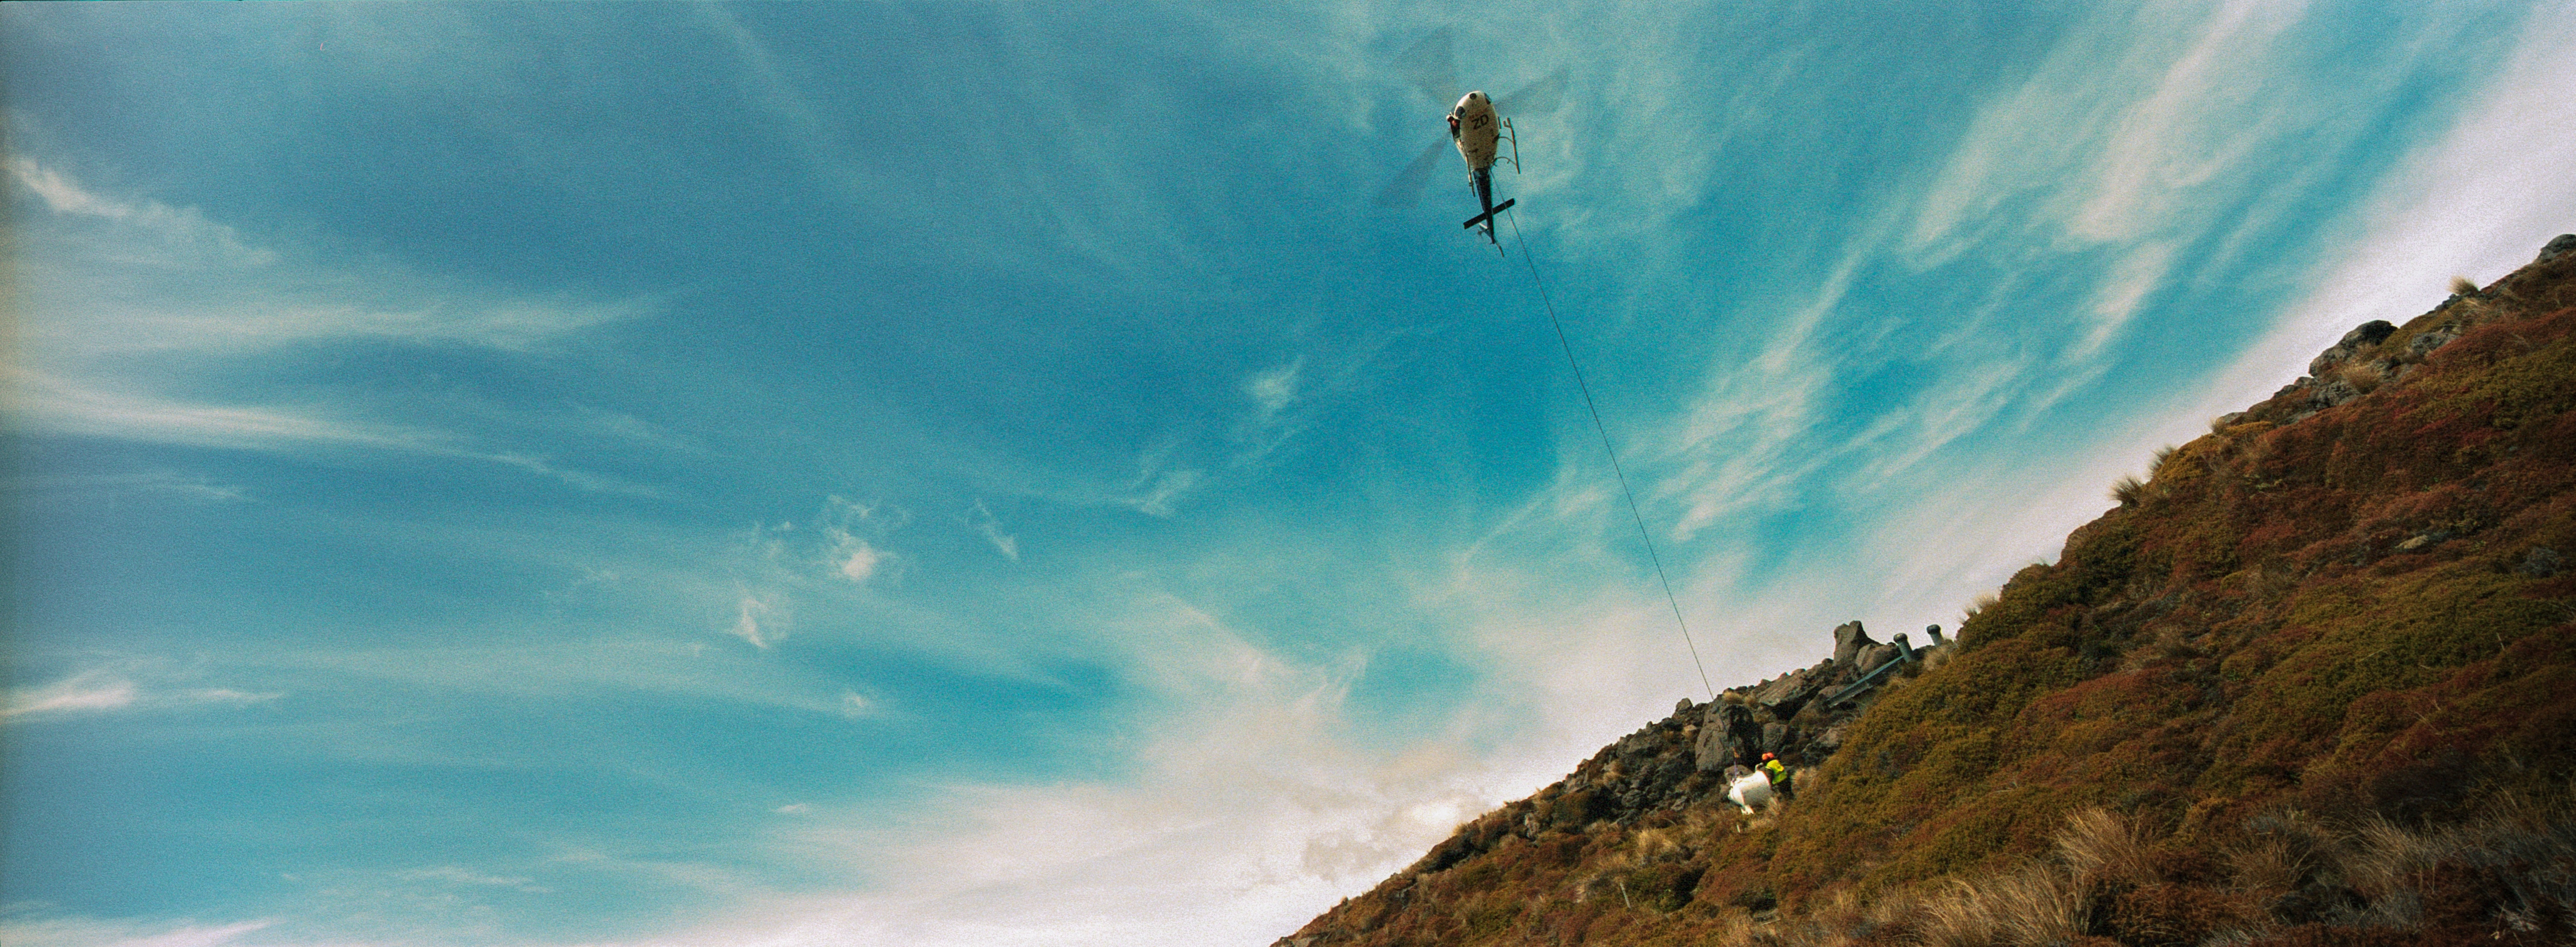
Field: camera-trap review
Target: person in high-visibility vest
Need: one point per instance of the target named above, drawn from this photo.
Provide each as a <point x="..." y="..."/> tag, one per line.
<point x="1778" y="772"/>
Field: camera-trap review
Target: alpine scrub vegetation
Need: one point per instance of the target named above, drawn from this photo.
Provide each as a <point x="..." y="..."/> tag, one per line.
<point x="2308" y="683"/>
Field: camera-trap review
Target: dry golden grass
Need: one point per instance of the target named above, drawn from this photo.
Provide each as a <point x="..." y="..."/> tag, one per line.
<point x="2034" y="906"/>
<point x="2463" y="286"/>
<point x="2103" y="848"/>
<point x="2271" y="863"/>
<point x="1737" y="929"/>
<point x="1983" y="601"/>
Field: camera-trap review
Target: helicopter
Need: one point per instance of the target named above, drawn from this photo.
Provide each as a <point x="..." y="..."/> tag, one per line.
<point x="1480" y="134"/>
<point x="1479" y="128"/>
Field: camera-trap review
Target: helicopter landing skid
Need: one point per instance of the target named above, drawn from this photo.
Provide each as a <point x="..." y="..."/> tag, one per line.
<point x="1487" y="217"/>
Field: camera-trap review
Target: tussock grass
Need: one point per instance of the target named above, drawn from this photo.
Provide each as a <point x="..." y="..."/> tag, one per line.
<point x="2463" y="286"/>
<point x="2035" y="905"/>
<point x="2156" y="461"/>
<point x="2102" y="848"/>
<point x="2128" y="490"/>
<point x="1982" y="601"/>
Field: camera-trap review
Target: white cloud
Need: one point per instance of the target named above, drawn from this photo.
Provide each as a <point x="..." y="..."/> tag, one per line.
<point x="1248" y="813"/>
<point x="87" y="691"/>
<point x="154" y="482"/>
<point x="982" y="520"/>
<point x="105" y="290"/>
<point x="859" y="560"/>
<point x="183" y="230"/>
<point x="2111" y="130"/>
<point x="453" y="874"/>
<point x="2209" y="108"/>
<point x="116" y="291"/>
<point x="226" y="695"/>
<point x="85" y="932"/>
<point x="2139" y="273"/>
<point x="750" y="613"/>
<point x="71" y="407"/>
<point x="115" y="688"/>
<point x="1271" y="391"/>
<point x="67" y="406"/>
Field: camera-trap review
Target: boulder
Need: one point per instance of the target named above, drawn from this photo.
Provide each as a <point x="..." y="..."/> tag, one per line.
<point x="2332" y="393"/>
<point x="1877" y="656"/>
<point x="2559" y="247"/>
<point x="2366" y="335"/>
<point x="1726" y="734"/>
<point x="1794" y="690"/>
<point x="2426" y="341"/>
<point x="1779" y="738"/>
<point x="1849" y="639"/>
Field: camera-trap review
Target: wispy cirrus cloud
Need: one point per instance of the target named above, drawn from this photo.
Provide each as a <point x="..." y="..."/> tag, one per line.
<point x="65" y="406"/>
<point x="110" y="689"/>
<point x="164" y="482"/>
<point x="985" y="524"/>
<point x="105" y="313"/>
<point x="143" y="321"/>
<point x="242" y="297"/>
<point x="2125" y="129"/>
<point x="90" y="932"/>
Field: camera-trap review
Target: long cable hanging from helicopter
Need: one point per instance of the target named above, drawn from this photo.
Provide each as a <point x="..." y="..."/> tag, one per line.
<point x="1480" y="133"/>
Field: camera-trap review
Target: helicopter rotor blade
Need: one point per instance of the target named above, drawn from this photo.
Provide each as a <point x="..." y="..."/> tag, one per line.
<point x="1537" y="98"/>
<point x="1432" y="65"/>
<point x="1405" y="189"/>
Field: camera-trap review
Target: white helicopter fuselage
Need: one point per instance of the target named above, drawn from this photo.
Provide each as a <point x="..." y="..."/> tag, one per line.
<point x="1476" y="130"/>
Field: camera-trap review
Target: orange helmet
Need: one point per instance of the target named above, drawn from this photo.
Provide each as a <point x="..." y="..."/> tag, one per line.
<point x="1766" y="756"/>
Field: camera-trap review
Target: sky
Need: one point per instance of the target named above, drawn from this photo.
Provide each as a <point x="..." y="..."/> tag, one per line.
<point x="994" y="474"/>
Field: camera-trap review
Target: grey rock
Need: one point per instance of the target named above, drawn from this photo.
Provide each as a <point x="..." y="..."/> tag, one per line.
<point x="2557" y="247"/>
<point x="1849" y="639"/>
<point x="1726" y="731"/>
<point x="2364" y="336"/>
<point x="1775" y="737"/>
<point x="2541" y="562"/>
<point x="2367" y="334"/>
<point x="1877" y="656"/>
<point x="2332" y="393"/>
<point x="1781" y="699"/>
<point x="2430" y="339"/>
<point x="1832" y="738"/>
<point x="1682" y="708"/>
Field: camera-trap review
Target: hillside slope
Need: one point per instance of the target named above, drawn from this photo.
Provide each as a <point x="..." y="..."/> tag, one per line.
<point x="2312" y="682"/>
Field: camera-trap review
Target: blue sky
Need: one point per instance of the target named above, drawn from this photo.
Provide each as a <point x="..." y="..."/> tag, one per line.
<point x="988" y="473"/>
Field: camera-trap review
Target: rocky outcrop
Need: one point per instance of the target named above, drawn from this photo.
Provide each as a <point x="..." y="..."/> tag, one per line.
<point x="2565" y="243"/>
<point x="2367" y="584"/>
<point x="2361" y="337"/>
<point x="1679" y="762"/>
